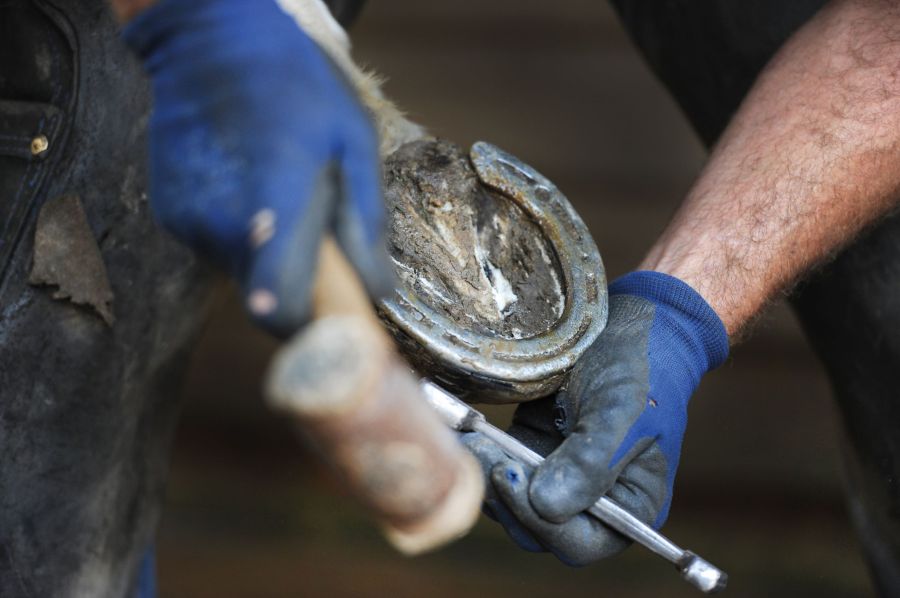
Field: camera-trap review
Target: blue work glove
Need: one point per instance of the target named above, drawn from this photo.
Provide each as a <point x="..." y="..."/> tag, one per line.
<point x="615" y="430"/>
<point x="258" y="146"/>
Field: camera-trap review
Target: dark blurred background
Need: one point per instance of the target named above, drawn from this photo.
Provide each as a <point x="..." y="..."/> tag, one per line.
<point x="558" y="84"/>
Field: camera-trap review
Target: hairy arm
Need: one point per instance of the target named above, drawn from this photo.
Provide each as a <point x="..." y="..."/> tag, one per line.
<point x="810" y="158"/>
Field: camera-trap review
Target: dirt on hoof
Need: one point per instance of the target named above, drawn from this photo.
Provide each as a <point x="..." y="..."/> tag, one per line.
<point x="465" y="249"/>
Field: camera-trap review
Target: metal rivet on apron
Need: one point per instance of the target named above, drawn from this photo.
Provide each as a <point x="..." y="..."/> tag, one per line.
<point x="39" y="145"/>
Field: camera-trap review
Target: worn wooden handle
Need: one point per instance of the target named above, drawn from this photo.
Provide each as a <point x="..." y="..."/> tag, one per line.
<point x="359" y="404"/>
<point x="337" y="289"/>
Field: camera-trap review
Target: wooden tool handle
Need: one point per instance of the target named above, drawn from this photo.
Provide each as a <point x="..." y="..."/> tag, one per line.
<point x="337" y="289"/>
<point x="360" y="406"/>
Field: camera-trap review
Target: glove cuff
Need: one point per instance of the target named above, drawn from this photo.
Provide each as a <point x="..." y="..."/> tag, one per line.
<point x="693" y="310"/>
<point x="152" y="25"/>
<point x="155" y="27"/>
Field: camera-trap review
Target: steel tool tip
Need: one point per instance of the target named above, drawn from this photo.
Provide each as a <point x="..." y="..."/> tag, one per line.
<point x="703" y="575"/>
<point x="450" y="409"/>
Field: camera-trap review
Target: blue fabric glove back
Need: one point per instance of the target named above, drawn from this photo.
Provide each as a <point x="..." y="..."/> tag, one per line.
<point x="258" y="146"/>
<point x="615" y="430"/>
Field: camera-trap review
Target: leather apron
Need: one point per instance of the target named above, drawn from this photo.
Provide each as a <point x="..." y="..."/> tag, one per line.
<point x="98" y="307"/>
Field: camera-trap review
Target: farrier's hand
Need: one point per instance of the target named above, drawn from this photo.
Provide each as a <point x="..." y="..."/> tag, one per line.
<point x="617" y="428"/>
<point x="257" y="147"/>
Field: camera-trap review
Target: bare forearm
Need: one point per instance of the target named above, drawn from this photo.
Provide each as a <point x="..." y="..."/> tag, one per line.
<point x="811" y="157"/>
<point x="127" y="9"/>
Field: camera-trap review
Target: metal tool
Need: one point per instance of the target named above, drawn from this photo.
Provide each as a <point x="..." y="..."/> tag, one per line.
<point x="463" y="418"/>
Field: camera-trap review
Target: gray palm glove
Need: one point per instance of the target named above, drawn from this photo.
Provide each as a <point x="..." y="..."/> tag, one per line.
<point x="616" y="429"/>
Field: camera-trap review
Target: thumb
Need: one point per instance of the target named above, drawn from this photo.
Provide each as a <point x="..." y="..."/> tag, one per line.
<point x="576" y="475"/>
<point x="360" y="221"/>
